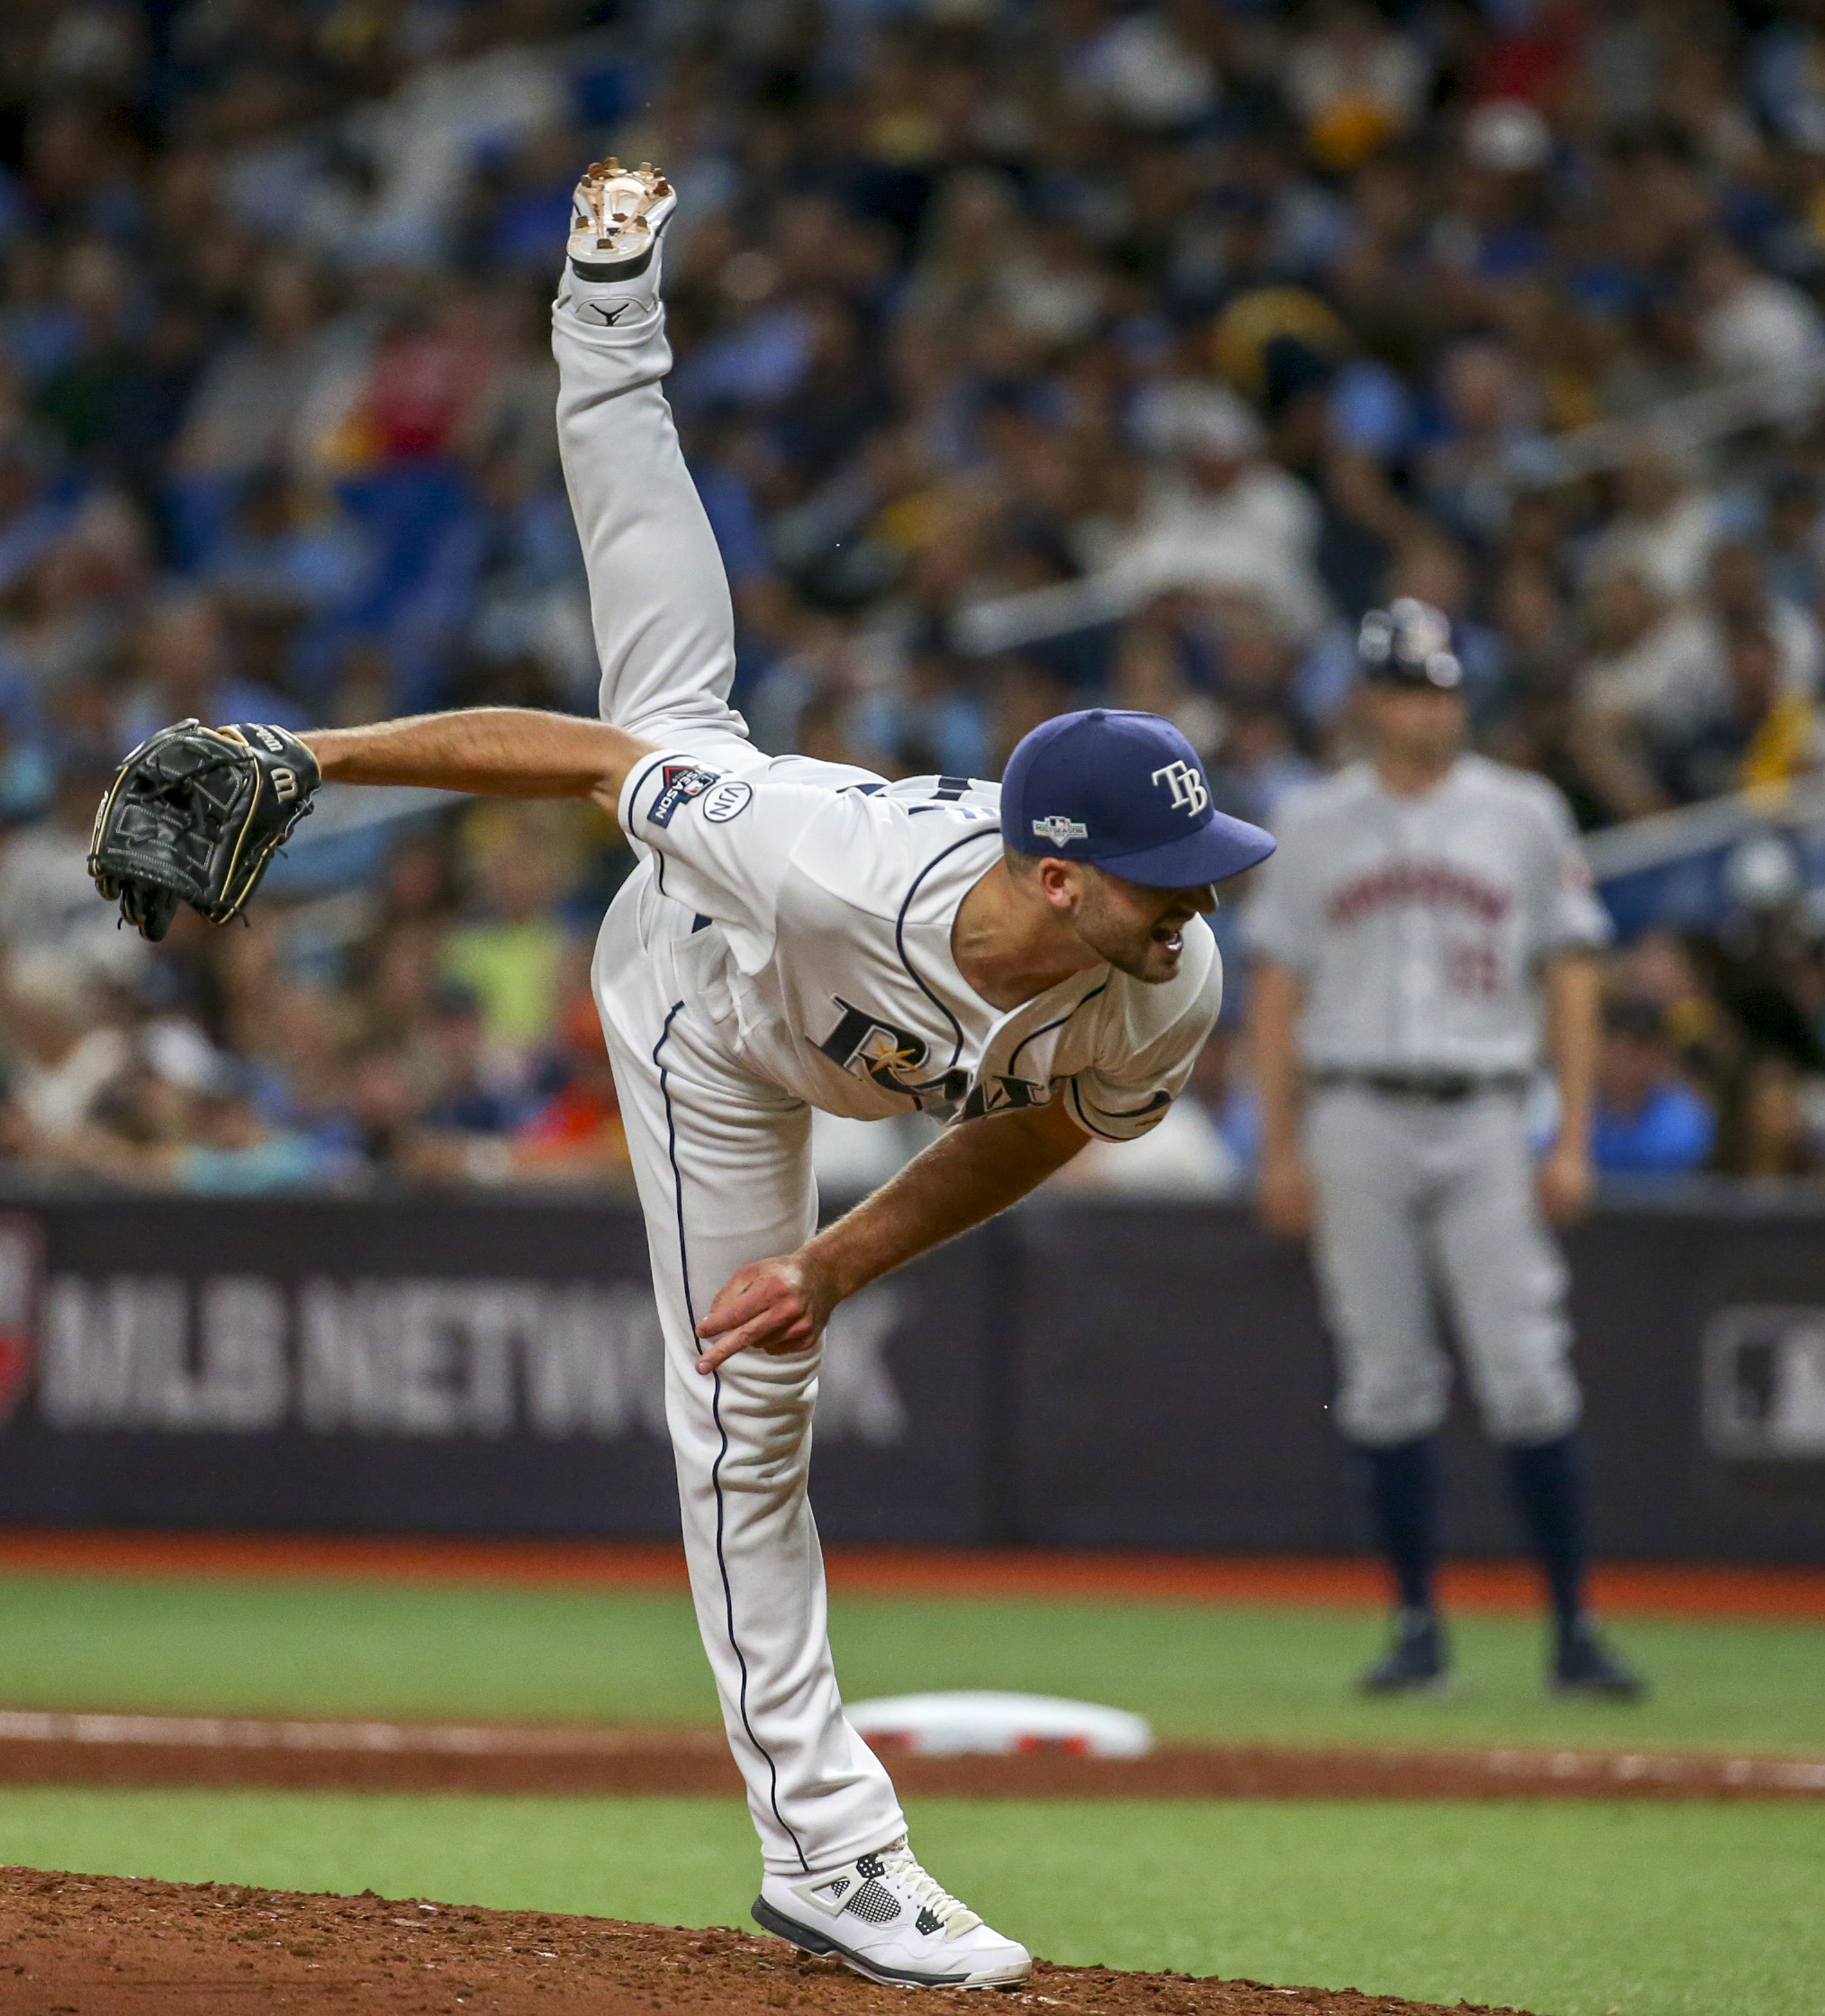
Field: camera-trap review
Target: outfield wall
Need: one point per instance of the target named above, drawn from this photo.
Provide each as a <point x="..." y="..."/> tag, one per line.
<point x="1080" y="1374"/>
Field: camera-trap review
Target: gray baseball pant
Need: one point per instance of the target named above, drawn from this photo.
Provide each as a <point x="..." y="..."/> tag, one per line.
<point x="1422" y="1202"/>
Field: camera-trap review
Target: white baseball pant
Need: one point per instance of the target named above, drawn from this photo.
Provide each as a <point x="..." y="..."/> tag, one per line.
<point x="722" y="1160"/>
<point x="1418" y="1197"/>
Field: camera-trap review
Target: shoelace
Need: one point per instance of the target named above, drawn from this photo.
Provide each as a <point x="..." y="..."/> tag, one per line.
<point x="900" y="1862"/>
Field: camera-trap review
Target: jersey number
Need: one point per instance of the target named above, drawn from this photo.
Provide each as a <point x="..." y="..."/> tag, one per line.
<point x="1474" y="970"/>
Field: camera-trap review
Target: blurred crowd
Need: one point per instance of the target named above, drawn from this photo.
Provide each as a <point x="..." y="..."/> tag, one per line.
<point x="1032" y="353"/>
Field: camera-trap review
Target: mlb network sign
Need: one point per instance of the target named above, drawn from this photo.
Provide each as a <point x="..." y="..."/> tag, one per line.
<point x="1765" y="1384"/>
<point x="239" y="1353"/>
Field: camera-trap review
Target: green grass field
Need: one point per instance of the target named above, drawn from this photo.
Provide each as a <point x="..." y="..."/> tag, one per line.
<point x="1197" y="1670"/>
<point x="1570" y="1910"/>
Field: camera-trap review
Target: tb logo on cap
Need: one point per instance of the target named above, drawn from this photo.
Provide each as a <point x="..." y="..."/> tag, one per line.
<point x="1191" y="793"/>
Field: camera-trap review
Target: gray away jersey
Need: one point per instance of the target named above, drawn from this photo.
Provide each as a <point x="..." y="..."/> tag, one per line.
<point x="836" y="902"/>
<point x="1418" y="924"/>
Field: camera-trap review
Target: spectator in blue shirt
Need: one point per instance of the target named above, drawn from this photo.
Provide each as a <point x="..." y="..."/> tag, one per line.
<point x="1648" y="1121"/>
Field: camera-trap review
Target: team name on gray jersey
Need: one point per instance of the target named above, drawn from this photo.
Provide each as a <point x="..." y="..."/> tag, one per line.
<point x="1419" y="924"/>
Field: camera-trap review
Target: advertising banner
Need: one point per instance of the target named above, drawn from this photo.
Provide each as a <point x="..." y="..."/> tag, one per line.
<point x="424" y="1365"/>
<point x="1174" y="1386"/>
<point x="1074" y="1374"/>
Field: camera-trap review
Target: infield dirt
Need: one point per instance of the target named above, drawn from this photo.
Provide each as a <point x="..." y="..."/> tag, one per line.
<point x="40" y="1748"/>
<point x="111" y="1946"/>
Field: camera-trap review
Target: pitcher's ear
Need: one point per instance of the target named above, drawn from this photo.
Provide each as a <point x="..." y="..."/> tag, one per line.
<point x="1062" y="882"/>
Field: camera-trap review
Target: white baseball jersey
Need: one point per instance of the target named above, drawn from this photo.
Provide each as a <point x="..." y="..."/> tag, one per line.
<point x="1418" y="924"/>
<point x="836" y="900"/>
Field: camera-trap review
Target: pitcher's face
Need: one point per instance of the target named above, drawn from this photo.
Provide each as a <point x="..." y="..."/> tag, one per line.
<point x="1140" y="931"/>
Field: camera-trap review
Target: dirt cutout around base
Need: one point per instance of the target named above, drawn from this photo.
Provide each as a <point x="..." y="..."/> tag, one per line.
<point x="41" y="1748"/>
<point x="115" y="1945"/>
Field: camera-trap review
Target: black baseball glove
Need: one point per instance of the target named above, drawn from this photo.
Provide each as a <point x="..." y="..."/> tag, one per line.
<point x="193" y="816"/>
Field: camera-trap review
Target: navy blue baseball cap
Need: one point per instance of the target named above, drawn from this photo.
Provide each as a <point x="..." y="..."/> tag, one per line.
<point x="1127" y="791"/>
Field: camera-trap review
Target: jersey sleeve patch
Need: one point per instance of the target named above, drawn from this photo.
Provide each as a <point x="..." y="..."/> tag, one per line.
<point x="678" y="784"/>
<point x="727" y="800"/>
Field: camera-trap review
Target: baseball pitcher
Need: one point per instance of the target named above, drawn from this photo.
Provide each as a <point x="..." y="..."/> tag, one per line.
<point x="1031" y="964"/>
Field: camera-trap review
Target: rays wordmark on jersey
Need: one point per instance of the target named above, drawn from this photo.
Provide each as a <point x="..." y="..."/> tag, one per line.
<point x="1005" y="1095"/>
<point x="891" y="1057"/>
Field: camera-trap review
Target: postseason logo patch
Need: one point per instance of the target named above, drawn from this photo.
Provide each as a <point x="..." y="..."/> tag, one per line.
<point x="677" y="782"/>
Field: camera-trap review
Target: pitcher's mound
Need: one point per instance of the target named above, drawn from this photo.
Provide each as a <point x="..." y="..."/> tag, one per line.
<point x="115" y="1945"/>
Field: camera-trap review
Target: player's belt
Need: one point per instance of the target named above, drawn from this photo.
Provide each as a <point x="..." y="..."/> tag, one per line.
<point x="1437" y="1088"/>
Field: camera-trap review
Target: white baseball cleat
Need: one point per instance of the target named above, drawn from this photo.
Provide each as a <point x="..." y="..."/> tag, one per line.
<point x="882" y="1915"/>
<point x="617" y="214"/>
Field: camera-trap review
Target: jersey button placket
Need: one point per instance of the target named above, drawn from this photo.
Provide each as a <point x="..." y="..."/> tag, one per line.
<point x="1415" y="985"/>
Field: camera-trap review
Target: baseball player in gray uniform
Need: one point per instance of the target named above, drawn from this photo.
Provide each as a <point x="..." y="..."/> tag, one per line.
<point x="1427" y="919"/>
<point x="1032" y="963"/>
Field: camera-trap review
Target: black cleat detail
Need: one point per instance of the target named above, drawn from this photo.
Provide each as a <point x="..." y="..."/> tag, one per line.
<point x="821" y="1944"/>
<point x="628" y="270"/>
<point x="781" y="1927"/>
<point x="875" y="1904"/>
<point x="1416" y="1662"/>
<point x="1585" y="1665"/>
